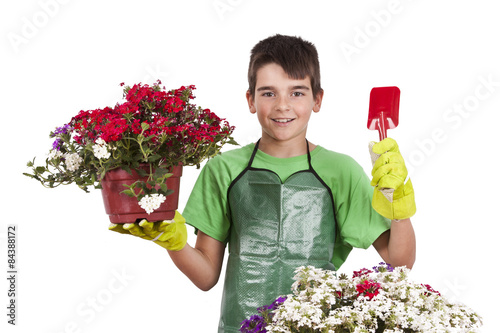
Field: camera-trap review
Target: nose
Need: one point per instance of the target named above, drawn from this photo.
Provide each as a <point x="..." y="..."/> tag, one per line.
<point x="282" y="103"/>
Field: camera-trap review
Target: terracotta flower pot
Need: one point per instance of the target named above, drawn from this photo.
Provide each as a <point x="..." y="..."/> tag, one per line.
<point x="124" y="209"/>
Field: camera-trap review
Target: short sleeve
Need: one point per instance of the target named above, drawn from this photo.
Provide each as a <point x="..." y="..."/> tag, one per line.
<point x="358" y="224"/>
<point x="206" y="208"/>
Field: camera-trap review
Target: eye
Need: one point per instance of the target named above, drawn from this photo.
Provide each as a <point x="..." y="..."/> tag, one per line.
<point x="268" y="94"/>
<point x="297" y="94"/>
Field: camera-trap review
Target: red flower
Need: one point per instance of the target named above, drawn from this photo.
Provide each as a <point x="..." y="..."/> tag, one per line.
<point x="362" y="271"/>
<point x="431" y="290"/>
<point x="173" y="126"/>
<point x="127" y="107"/>
<point x="368" y="288"/>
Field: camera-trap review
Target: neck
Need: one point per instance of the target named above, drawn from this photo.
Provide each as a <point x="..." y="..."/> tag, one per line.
<point x="284" y="149"/>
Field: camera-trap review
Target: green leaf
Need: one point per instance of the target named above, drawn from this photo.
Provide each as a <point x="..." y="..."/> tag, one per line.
<point x="144" y="126"/>
<point x="137" y="157"/>
<point x="141" y="172"/>
<point x="40" y="169"/>
<point x="131" y="186"/>
<point x="130" y="193"/>
<point x="154" y="157"/>
<point x="127" y="168"/>
<point x="233" y="142"/>
<point x="161" y="172"/>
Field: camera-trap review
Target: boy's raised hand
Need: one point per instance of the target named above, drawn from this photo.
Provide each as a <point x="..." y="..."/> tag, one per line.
<point x="170" y="234"/>
<point x="392" y="198"/>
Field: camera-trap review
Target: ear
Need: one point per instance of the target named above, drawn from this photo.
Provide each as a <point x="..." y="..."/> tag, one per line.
<point x="318" y="100"/>
<point x="251" y="102"/>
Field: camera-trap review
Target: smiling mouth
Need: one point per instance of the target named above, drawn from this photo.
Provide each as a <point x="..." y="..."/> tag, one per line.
<point x="281" y="120"/>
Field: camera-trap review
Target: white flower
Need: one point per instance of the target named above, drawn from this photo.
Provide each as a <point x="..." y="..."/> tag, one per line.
<point x="151" y="202"/>
<point x="101" y="149"/>
<point x="73" y="161"/>
<point x="100" y="142"/>
<point x="400" y="303"/>
<point x="54" y="153"/>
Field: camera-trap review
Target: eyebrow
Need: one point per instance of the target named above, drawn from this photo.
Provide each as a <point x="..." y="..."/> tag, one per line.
<point x="293" y="88"/>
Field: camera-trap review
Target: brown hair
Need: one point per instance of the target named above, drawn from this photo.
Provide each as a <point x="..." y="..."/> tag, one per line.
<point x="297" y="57"/>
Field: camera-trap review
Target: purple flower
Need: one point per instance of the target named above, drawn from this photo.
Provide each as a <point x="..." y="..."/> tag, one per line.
<point x="257" y="323"/>
<point x="280" y="300"/>
<point x="383" y="268"/>
<point x="61" y="130"/>
<point x="273" y="306"/>
<point x="254" y="324"/>
<point x="56" y="145"/>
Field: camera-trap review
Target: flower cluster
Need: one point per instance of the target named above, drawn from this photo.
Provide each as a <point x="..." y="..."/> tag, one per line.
<point x="152" y="126"/>
<point x="151" y="202"/>
<point x="378" y="300"/>
<point x="101" y="149"/>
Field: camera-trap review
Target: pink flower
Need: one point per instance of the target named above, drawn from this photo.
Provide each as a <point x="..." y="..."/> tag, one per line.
<point x="361" y="272"/>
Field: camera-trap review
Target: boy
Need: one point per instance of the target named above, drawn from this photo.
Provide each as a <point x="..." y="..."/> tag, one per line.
<point x="285" y="202"/>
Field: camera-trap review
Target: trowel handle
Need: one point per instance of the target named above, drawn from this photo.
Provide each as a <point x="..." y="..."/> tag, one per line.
<point x="382" y="126"/>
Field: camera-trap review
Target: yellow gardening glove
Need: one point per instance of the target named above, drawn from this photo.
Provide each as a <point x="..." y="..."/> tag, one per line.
<point x="392" y="198"/>
<point x="170" y="234"/>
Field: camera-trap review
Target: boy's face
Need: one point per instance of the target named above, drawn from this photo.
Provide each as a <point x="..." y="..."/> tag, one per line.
<point x="283" y="105"/>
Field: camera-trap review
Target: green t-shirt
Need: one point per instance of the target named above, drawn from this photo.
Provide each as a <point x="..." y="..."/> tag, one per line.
<point x="358" y="224"/>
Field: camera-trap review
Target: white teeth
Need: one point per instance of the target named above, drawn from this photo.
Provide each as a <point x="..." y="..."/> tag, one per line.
<point x="282" y="120"/>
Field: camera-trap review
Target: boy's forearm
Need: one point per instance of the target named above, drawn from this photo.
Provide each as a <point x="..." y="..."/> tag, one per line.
<point x="397" y="246"/>
<point x="201" y="264"/>
<point x="402" y="244"/>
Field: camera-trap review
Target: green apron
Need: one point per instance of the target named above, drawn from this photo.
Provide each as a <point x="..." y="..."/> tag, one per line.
<point x="275" y="228"/>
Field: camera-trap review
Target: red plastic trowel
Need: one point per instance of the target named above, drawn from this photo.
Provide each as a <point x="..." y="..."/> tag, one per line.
<point x="384" y="110"/>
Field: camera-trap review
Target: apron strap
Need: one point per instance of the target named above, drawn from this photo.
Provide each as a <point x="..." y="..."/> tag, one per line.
<point x="253" y="154"/>
<point x="309" y="156"/>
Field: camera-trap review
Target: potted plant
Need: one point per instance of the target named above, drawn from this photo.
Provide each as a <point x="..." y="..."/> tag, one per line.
<point x="382" y="299"/>
<point x="135" y="150"/>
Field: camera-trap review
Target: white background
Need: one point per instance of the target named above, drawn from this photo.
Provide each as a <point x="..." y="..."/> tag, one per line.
<point x="59" y="57"/>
